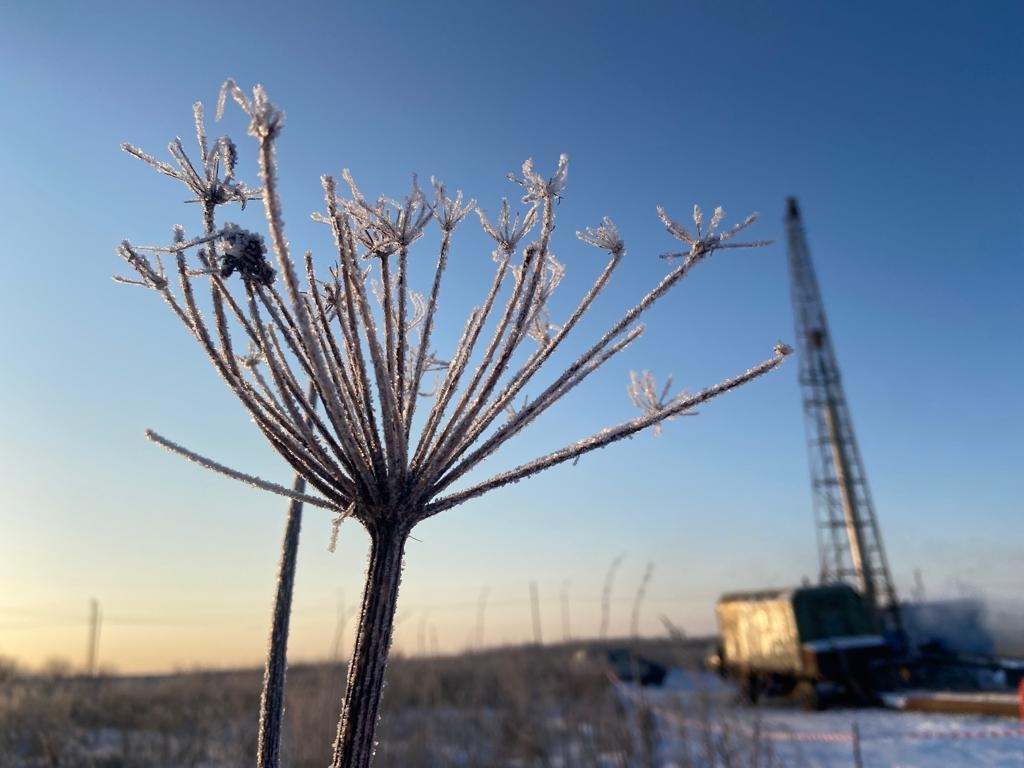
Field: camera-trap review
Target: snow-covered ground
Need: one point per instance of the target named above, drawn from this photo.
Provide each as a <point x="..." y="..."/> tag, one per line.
<point x="696" y="715"/>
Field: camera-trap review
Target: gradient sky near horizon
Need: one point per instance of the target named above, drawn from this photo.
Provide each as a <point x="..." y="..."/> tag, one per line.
<point x="899" y="126"/>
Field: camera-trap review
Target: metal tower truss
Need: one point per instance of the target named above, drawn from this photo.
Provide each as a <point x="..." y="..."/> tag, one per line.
<point x="849" y="542"/>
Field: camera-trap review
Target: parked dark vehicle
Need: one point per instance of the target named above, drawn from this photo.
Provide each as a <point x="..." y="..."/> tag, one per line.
<point x="816" y="643"/>
<point x="629" y="667"/>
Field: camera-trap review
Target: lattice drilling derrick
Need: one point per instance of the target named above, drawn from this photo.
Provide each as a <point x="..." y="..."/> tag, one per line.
<point x="849" y="543"/>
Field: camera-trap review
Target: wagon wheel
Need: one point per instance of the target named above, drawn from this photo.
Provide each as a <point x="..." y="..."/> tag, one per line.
<point x="806" y="693"/>
<point x="750" y="688"/>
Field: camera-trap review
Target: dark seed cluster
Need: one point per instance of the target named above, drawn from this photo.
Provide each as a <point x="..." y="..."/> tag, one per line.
<point x="245" y="252"/>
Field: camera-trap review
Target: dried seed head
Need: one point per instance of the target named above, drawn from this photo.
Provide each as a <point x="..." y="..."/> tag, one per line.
<point x="605" y="237"/>
<point x="706" y="241"/>
<point x="508" y="231"/>
<point x="244" y="251"/>
<point x="537" y="187"/>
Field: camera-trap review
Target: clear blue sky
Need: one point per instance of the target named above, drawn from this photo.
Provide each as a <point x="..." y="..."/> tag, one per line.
<point x="900" y="127"/>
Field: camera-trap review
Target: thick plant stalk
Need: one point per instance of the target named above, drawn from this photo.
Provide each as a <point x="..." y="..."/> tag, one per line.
<point x="354" y="745"/>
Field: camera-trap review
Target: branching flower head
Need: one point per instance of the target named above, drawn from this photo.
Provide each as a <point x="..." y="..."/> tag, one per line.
<point x="449" y="211"/>
<point x="507" y="232"/>
<point x="388" y="226"/>
<point x="606" y="237"/>
<point x="266" y="120"/>
<point x="537" y="188"/>
<point x="705" y="241"/>
<point x="209" y="186"/>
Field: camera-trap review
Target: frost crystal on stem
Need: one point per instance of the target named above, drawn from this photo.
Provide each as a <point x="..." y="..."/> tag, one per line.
<point x="335" y="365"/>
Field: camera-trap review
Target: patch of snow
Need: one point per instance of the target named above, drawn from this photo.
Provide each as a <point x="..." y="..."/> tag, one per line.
<point x="694" y="709"/>
<point x="685" y="681"/>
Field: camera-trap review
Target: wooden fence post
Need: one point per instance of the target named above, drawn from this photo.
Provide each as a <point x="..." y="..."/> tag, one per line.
<point x="858" y="762"/>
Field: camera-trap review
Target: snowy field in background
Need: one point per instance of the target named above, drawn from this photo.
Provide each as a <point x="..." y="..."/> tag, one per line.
<point x="688" y="703"/>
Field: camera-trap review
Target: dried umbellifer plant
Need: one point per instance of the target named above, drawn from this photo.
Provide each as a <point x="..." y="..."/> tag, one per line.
<point x="336" y="363"/>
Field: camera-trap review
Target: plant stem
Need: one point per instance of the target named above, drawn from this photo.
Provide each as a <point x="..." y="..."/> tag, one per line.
<point x="268" y="750"/>
<point x="354" y="744"/>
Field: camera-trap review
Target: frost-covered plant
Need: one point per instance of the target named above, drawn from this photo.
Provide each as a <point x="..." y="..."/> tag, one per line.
<point x="346" y="353"/>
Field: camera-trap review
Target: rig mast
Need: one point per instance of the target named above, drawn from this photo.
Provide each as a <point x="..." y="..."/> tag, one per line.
<point x="849" y="542"/>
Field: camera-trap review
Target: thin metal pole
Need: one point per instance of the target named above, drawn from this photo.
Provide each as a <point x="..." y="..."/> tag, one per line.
<point x="535" y="603"/>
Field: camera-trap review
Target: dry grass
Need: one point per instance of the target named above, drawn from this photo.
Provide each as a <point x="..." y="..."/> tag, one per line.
<point x="521" y="707"/>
